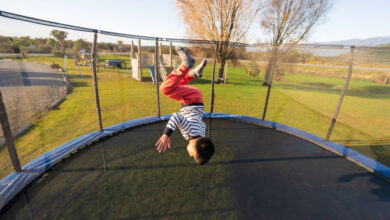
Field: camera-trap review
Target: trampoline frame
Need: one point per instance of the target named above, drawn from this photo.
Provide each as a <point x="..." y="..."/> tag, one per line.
<point x="15" y="182"/>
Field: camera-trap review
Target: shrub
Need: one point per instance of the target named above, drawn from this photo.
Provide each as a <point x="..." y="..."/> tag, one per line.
<point x="253" y="68"/>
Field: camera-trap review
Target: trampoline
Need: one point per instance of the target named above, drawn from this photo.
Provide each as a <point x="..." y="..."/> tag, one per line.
<point x="261" y="170"/>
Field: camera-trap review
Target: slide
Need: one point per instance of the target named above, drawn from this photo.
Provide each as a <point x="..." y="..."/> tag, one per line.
<point x="151" y="71"/>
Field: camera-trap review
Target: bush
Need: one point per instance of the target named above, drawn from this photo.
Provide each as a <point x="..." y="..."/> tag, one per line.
<point x="279" y="73"/>
<point x="253" y="68"/>
<point x="24" y="51"/>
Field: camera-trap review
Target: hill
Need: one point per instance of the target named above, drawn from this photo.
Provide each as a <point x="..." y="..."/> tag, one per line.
<point x="372" y="41"/>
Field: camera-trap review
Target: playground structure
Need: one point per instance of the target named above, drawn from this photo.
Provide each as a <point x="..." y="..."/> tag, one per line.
<point x="140" y="60"/>
<point x="76" y="63"/>
<point x="83" y="57"/>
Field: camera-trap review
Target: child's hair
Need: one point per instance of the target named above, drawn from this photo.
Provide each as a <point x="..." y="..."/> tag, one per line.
<point x="205" y="149"/>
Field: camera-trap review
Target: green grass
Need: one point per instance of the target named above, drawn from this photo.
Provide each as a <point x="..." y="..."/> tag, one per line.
<point x="305" y="101"/>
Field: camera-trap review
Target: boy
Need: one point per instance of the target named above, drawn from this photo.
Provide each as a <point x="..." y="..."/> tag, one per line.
<point x="189" y="120"/>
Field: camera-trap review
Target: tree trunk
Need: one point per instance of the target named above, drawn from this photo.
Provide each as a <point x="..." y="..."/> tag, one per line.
<point x="63" y="48"/>
<point x="221" y="68"/>
<point x="270" y="67"/>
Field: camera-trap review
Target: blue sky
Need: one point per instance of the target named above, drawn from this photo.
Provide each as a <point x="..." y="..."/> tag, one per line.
<point x="347" y="19"/>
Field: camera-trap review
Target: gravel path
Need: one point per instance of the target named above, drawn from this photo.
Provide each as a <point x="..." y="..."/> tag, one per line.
<point x="28" y="88"/>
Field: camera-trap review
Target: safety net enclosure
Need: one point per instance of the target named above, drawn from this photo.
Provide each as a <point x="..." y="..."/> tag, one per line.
<point x="261" y="170"/>
<point x="306" y="136"/>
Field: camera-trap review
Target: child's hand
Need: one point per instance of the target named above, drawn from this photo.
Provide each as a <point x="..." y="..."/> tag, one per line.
<point x="163" y="143"/>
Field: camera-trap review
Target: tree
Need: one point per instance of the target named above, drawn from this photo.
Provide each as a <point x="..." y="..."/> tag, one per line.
<point x="60" y="37"/>
<point x="80" y="44"/>
<point x="120" y="45"/>
<point x="289" y="22"/>
<point x="24" y="51"/>
<point x="20" y="45"/>
<point x="219" y="20"/>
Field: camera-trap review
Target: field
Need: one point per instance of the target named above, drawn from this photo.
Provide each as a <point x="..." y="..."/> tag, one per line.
<point x="306" y="99"/>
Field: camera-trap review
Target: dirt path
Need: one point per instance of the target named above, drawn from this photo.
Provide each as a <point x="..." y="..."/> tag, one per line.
<point x="28" y="88"/>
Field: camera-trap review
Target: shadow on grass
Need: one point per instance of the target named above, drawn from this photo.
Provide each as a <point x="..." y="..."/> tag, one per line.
<point x="201" y="81"/>
<point x="382" y="89"/>
<point x="364" y="92"/>
<point x="239" y="82"/>
<point x="320" y="85"/>
<point x="79" y="84"/>
<point x="79" y="76"/>
<point x="117" y="70"/>
<point x="147" y="79"/>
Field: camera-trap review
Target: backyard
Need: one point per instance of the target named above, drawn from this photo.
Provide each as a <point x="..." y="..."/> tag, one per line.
<point x="306" y="99"/>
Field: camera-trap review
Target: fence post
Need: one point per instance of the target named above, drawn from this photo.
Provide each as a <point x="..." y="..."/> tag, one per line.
<point x="139" y="60"/>
<point x="156" y="77"/>
<point x="9" y="140"/>
<point x="275" y="49"/>
<point x="213" y="81"/>
<point x="95" y="83"/>
<point x="350" y="68"/>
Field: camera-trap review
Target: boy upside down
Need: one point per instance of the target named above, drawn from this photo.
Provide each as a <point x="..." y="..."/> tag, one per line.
<point x="189" y="120"/>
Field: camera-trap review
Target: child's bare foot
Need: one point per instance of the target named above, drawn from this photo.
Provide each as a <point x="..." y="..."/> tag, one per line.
<point x="185" y="57"/>
<point x="197" y="72"/>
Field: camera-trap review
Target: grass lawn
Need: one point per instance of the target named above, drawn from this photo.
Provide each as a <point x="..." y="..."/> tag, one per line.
<point x="305" y="101"/>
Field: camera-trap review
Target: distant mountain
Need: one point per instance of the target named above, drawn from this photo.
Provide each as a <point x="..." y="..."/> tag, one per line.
<point x="372" y="41"/>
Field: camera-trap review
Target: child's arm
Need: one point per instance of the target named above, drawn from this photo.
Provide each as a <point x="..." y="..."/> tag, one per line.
<point x="165" y="142"/>
<point x="175" y="120"/>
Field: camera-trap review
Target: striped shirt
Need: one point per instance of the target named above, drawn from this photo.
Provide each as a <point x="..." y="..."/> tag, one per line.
<point x="189" y="121"/>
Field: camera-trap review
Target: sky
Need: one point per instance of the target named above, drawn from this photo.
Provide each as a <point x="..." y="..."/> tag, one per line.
<point x="348" y="19"/>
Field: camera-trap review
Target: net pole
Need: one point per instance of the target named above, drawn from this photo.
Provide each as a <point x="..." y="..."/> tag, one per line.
<point x="9" y="139"/>
<point x="156" y="77"/>
<point x="340" y="102"/>
<point x="213" y="81"/>
<point x="140" y="64"/>
<point x="274" y="57"/>
<point x="95" y="82"/>
<point x="65" y="69"/>
<point x="170" y="55"/>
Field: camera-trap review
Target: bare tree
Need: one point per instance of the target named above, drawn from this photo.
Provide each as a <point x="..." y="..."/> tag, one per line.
<point x="288" y="22"/>
<point x="219" y="20"/>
